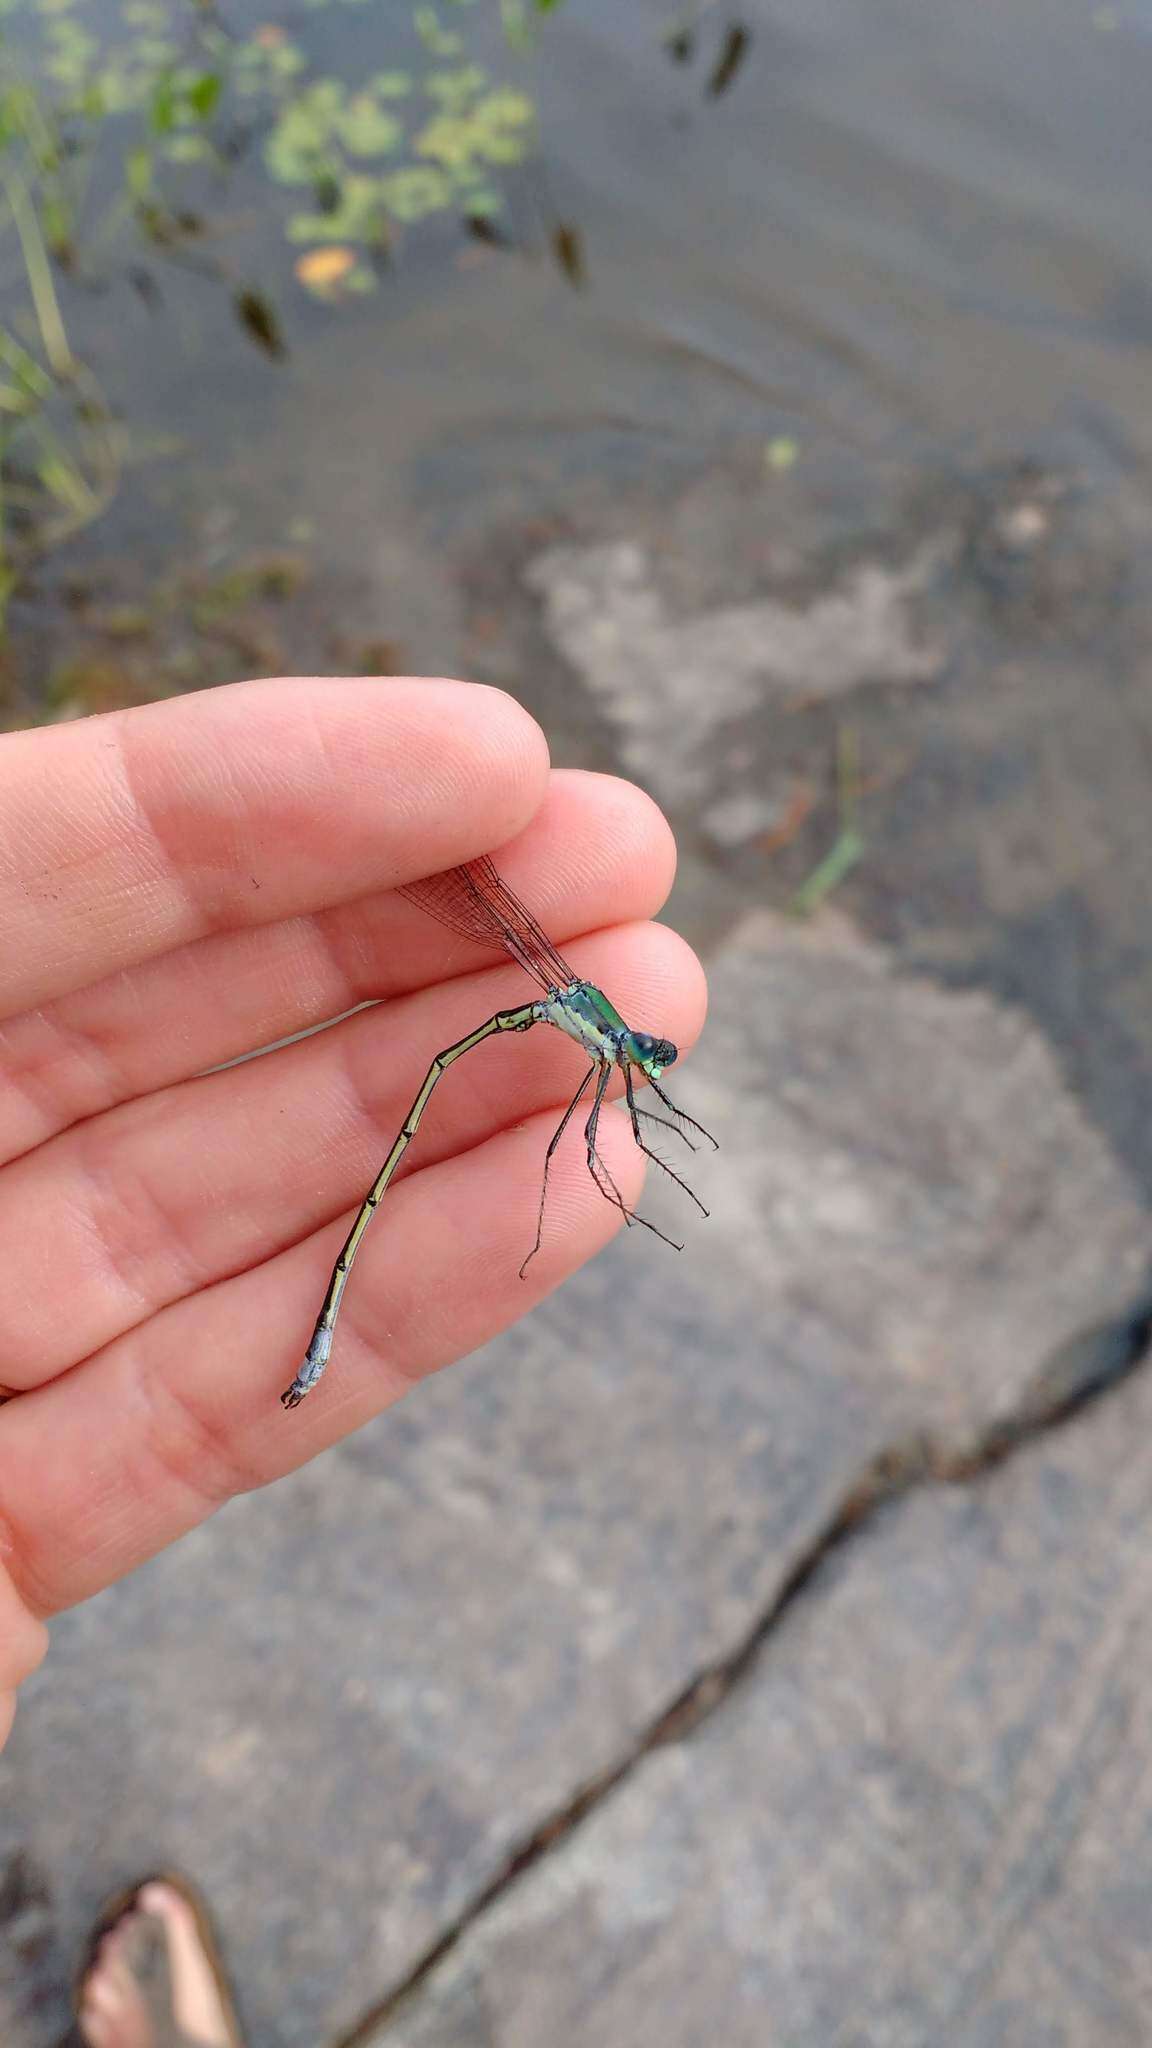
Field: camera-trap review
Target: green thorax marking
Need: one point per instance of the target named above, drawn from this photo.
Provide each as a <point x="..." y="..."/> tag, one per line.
<point x="585" y="1013"/>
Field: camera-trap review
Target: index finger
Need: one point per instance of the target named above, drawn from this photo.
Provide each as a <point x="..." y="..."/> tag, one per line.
<point x="124" y="836"/>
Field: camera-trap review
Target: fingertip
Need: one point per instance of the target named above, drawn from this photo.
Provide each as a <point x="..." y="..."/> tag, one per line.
<point x="683" y="965"/>
<point x="23" y="1639"/>
<point x="627" y="844"/>
<point x="487" y="758"/>
<point x="511" y="748"/>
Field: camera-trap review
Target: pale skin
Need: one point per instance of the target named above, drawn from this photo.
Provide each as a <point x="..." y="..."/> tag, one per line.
<point x="113" y="2010"/>
<point x="181" y="884"/>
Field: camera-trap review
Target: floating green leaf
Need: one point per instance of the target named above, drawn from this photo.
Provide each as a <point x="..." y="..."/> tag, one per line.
<point x="494" y="129"/>
<point x="366" y="130"/>
<point x="453" y="89"/>
<point x="435" y="37"/>
<point x="413" y="194"/>
<point x="359" y="215"/>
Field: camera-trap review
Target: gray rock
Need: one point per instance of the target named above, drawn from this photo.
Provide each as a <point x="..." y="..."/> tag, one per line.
<point x="926" y="1817"/>
<point x="898" y="1184"/>
<point x="668" y="684"/>
<point x="344" y="1703"/>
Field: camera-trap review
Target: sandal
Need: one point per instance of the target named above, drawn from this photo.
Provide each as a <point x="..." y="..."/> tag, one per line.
<point x="153" y="1975"/>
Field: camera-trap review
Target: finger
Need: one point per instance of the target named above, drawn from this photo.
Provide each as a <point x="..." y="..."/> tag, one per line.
<point x="598" y="852"/>
<point x="104" y="1466"/>
<point x="124" y="836"/>
<point x="125" y="1214"/>
<point x="23" y="1641"/>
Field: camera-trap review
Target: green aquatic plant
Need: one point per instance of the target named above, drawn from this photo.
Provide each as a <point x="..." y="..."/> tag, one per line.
<point x="60" y="449"/>
<point x="121" y="130"/>
<point x="849" y="847"/>
<point x="172" y="85"/>
<point x="398" y="148"/>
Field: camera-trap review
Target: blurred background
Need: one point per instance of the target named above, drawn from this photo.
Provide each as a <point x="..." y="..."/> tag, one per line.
<point x="752" y="1646"/>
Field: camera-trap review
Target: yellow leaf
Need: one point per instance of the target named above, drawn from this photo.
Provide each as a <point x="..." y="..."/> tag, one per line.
<point x="321" y="269"/>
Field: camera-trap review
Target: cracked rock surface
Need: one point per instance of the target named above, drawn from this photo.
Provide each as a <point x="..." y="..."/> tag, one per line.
<point x="345" y="1705"/>
<point x="925" y="1817"/>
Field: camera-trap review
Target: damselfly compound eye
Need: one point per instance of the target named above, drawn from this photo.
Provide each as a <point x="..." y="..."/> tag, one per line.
<point x="653" y="1054"/>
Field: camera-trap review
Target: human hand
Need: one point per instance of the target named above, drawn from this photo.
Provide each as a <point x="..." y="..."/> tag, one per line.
<point x="178" y="885"/>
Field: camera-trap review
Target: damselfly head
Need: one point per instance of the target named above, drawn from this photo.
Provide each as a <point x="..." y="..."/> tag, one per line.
<point x="653" y="1054"/>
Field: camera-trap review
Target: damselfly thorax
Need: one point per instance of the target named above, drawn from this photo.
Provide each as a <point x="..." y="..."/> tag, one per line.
<point x="584" y="1012"/>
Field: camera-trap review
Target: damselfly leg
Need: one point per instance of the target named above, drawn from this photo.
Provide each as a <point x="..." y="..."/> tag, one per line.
<point x="601" y="1175"/>
<point x="635" y="1112"/>
<point x="557" y="1134"/>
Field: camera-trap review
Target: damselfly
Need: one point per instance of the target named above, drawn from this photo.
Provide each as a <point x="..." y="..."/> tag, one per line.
<point x="474" y="901"/>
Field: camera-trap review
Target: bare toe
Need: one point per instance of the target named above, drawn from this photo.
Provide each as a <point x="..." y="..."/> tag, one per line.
<point x="201" y="2003"/>
<point x="112" y="2009"/>
<point x="155" y="1976"/>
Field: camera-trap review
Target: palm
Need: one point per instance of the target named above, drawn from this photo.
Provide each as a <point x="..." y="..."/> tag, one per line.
<point x="177" y="887"/>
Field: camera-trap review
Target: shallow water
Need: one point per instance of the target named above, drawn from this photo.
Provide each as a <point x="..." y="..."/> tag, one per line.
<point x="901" y="224"/>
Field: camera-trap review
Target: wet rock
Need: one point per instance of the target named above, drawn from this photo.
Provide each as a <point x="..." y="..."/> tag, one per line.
<point x="668" y="683"/>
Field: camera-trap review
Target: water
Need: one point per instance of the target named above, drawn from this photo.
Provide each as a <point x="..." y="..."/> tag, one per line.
<point x="902" y="221"/>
